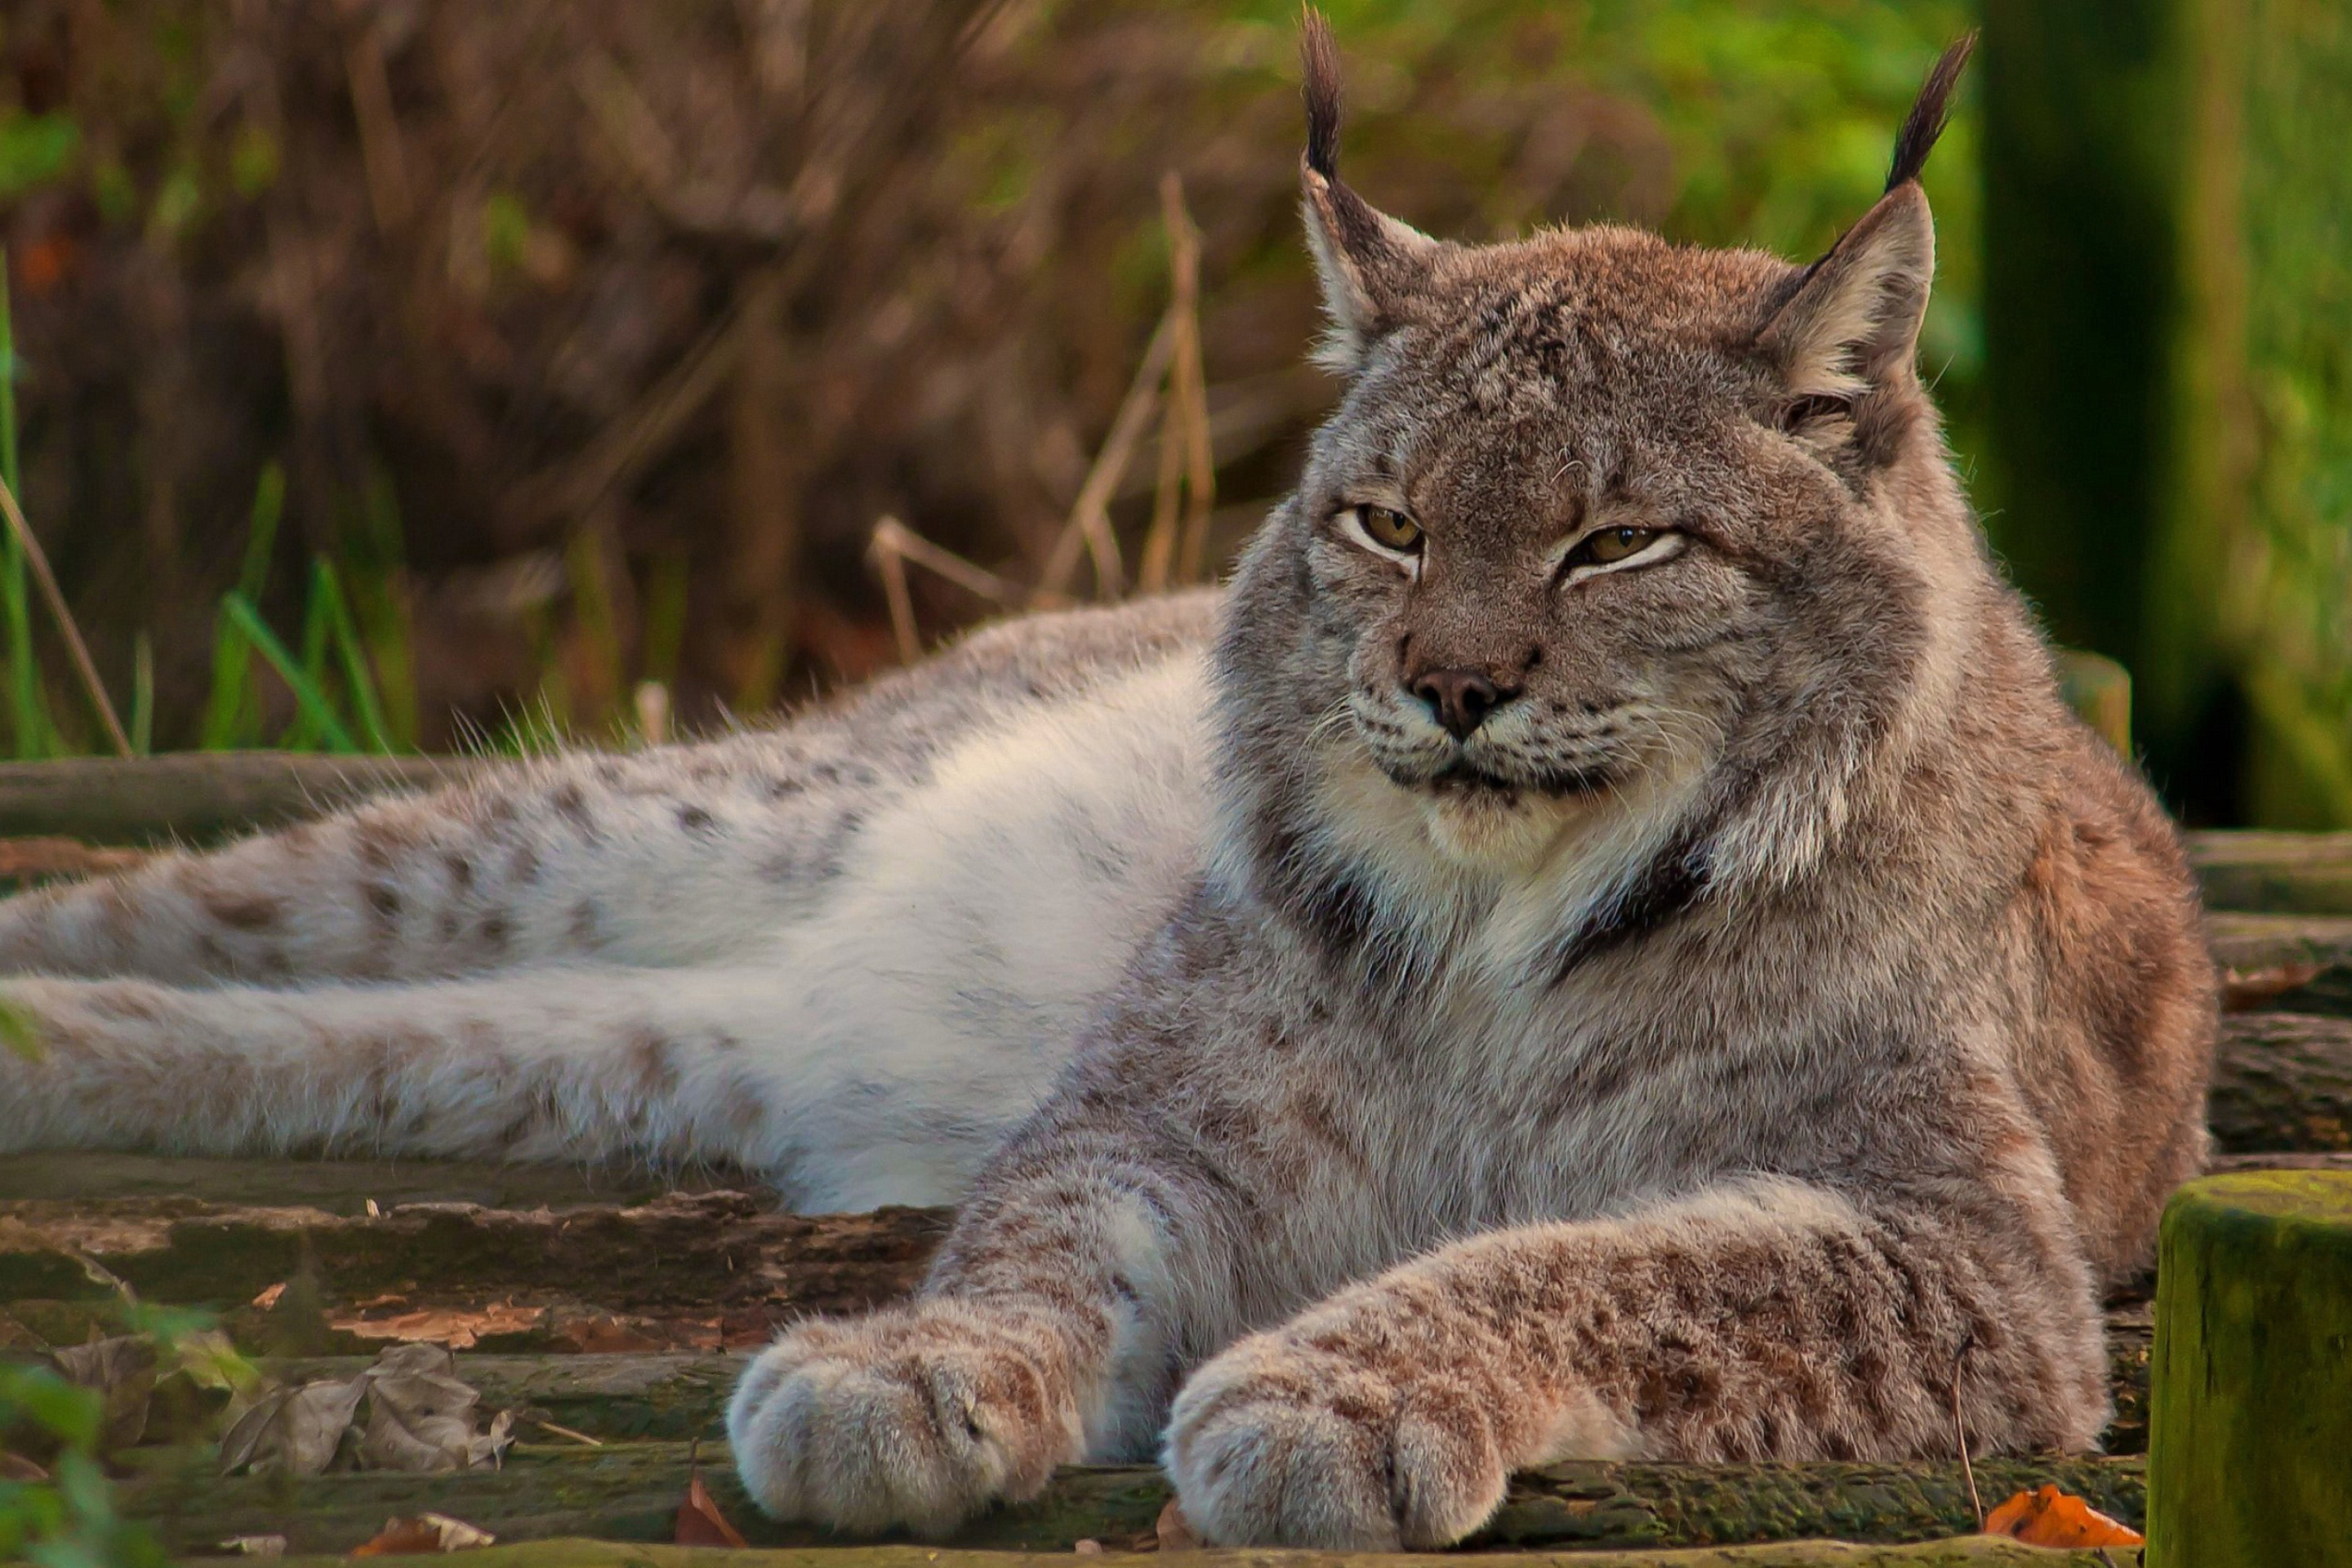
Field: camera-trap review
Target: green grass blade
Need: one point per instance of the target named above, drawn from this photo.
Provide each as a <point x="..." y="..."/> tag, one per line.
<point x="261" y="531"/>
<point x="304" y="733"/>
<point x="26" y="707"/>
<point x="356" y="676"/>
<point x="8" y="382"/>
<point x="225" y="705"/>
<point x="233" y="708"/>
<point x="308" y="699"/>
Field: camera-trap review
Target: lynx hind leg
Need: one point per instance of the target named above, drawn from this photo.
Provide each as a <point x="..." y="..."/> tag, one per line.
<point x="595" y="1065"/>
<point x="666" y="856"/>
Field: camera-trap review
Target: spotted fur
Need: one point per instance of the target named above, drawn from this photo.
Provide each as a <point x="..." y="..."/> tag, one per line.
<point x="1765" y="1027"/>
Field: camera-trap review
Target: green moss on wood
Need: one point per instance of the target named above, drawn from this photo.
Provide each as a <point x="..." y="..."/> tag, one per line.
<point x="1970" y="1552"/>
<point x="630" y="1493"/>
<point x="2251" y="1429"/>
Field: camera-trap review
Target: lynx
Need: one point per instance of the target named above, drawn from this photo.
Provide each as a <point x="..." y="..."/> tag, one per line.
<point x="1603" y="939"/>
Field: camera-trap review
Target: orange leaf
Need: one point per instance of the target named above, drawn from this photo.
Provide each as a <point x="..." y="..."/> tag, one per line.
<point x="2244" y="990"/>
<point x="1175" y="1531"/>
<point x="700" y="1522"/>
<point x="2049" y="1517"/>
<point x="603" y="1335"/>
<point x="459" y="1328"/>
<point x="426" y="1533"/>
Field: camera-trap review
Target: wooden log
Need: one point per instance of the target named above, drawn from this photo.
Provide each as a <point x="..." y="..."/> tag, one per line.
<point x="678" y="1396"/>
<point x="706" y="1250"/>
<point x="343" y="1186"/>
<point x="2099" y="690"/>
<point x="2248" y="942"/>
<point x="630" y="1493"/>
<point x="2252" y="1418"/>
<point x="198" y="796"/>
<point x="2283" y="1081"/>
<point x="1961" y="1552"/>
<point x="620" y="1398"/>
<point x="2278" y="873"/>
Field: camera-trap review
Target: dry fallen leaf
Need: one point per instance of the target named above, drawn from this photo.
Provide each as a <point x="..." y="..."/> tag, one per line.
<point x="293" y="1431"/>
<point x="700" y="1522"/>
<point x="420" y="1414"/>
<point x="426" y="1532"/>
<point x="2244" y="990"/>
<point x="16" y="1468"/>
<point x="2048" y="1517"/>
<point x="1174" y="1531"/>
<point x="601" y="1333"/>
<point x="459" y="1328"/>
<point x="420" y="1419"/>
<point x="254" y="1546"/>
<point x="122" y="1370"/>
<point x="211" y="1360"/>
<point x="268" y="1298"/>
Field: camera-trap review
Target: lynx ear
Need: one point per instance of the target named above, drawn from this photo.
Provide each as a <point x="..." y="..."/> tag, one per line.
<point x="1853" y="323"/>
<point x="1369" y="263"/>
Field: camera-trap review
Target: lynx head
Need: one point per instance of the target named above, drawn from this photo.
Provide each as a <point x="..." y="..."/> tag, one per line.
<point x="1616" y="564"/>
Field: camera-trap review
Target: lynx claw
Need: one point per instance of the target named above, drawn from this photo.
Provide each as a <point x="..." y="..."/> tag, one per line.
<point x="1275" y="1443"/>
<point x="917" y="1418"/>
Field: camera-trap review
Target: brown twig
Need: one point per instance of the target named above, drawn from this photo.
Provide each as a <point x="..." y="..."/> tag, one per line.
<point x="1089" y="523"/>
<point x="1188" y="382"/>
<point x="1961" y="1427"/>
<point x="565" y="1432"/>
<point x="892" y="535"/>
<point x="79" y="649"/>
<point x="52" y="855"/>
<point x="620" y="451"/>
<point x="1179" y="418"/>
<point x="893" y="567"/>
<point x="381" y="154"/>
<point x="1157" y="561"/>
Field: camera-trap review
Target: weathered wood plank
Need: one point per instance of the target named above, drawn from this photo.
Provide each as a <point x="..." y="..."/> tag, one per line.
<point x="198" y="796"/>
<point x="2253" y="941"/>
<point x="678" y="1397"/>
<point x="342" y="1186"/>
<point x="1959" y="1551"/>
<point x="2283" y="1081"/>
<point x="2279" y="873"/>
<point x="706" y="1250"/>
<point x="630" y="1493"/>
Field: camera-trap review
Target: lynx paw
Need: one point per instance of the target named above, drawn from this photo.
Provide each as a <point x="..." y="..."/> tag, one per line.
<point x="917" y="1417"/>
<point x="1276" y="1442"/>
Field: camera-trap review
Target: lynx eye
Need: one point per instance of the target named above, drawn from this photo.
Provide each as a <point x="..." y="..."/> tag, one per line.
<point x="1611" y="545"/>
<point x="1388" y="529"/>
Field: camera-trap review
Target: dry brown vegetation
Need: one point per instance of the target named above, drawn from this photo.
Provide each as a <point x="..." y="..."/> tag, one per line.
<point x="595" y="336"/>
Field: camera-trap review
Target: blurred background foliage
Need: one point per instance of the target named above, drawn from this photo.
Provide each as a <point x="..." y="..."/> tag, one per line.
<point x="399" y="373"/>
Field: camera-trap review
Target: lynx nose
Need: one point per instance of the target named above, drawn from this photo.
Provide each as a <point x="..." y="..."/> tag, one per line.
<point x="1461" y="699"/>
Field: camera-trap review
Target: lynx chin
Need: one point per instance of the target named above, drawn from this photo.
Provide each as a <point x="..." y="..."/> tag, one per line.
<point x="1602" y="940"/>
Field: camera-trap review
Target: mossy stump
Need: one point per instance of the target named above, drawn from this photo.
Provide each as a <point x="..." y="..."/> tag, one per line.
<point x="2250" y="1458"/>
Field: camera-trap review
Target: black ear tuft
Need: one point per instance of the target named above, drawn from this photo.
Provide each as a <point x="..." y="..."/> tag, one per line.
<point x="1925" y="121"/>
<point x="1319" y="55"/>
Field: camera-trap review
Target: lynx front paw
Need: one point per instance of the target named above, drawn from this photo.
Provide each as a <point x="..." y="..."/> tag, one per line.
<point x="917" y="1417"/>
<point x="1279" y="1442"/>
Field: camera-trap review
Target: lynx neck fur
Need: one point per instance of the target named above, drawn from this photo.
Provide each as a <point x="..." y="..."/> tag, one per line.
<point x="1603" y="939"/>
